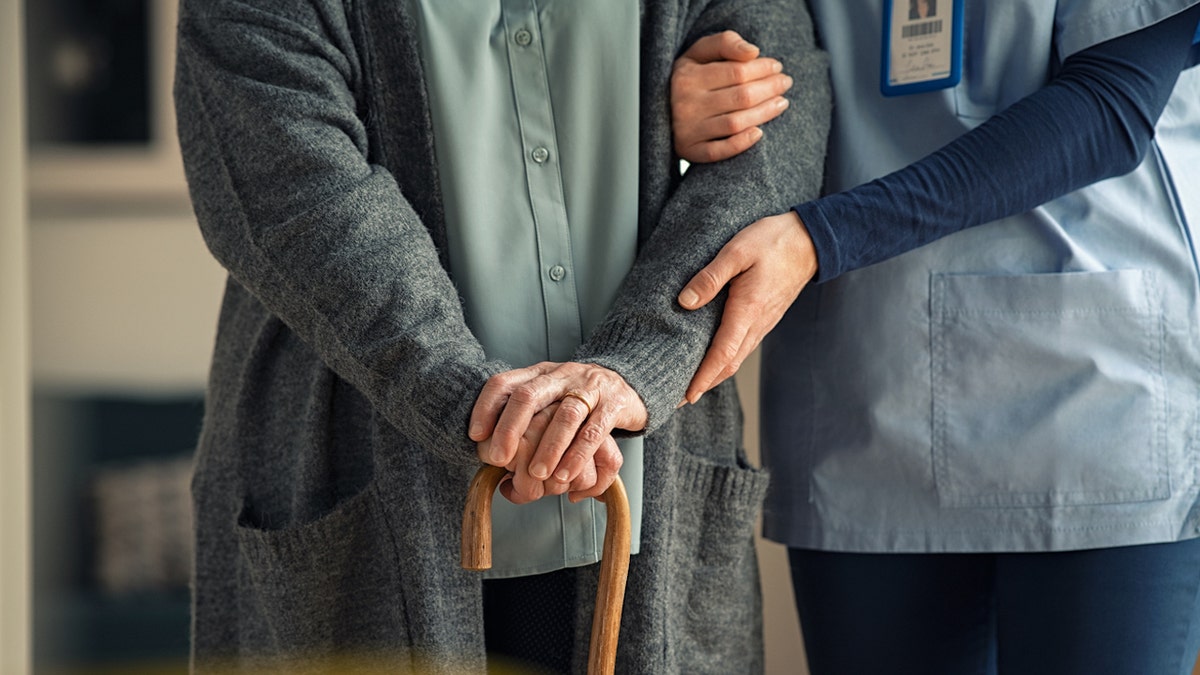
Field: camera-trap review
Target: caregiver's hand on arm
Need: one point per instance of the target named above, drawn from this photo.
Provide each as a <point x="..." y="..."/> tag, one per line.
<point x="721" y="91"/>
<point x="552" y="422"/>
<point x="766" y="266"/>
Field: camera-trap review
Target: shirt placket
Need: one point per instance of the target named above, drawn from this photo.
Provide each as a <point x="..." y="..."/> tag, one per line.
<point x="531" y="94"/>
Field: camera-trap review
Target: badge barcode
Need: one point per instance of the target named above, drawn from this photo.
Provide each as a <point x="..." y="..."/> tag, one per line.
<point x="920" y="29"/>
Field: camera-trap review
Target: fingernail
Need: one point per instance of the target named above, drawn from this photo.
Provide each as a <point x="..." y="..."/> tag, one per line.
<point x="681" y="404"/>
<point x="782" y="103"/>
<point x="562" y="475"/>
<point x="756" y="133"/>
<point x="697" y="399"/>
<point x="790" y="81"/>
<point x="746" y="46"/>
<point x="474" y="432"/>
<point x="689" y="298"/>
<point x="777" y="67"/>
<point x="539" y="471"/>
<point x="497" y="457"/>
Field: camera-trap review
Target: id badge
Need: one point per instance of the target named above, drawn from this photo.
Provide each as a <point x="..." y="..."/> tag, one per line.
<point x="922" y="45"/>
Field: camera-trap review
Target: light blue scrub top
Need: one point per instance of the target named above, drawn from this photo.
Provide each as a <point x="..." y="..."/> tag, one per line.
<point x="1031" y="384"/>
<point x="535" y="119"/>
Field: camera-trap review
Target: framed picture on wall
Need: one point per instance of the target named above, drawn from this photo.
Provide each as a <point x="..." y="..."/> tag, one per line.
<point x="100" y="119"/>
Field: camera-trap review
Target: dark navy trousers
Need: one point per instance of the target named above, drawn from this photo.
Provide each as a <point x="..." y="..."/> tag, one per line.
<point x="1121" y="611"/>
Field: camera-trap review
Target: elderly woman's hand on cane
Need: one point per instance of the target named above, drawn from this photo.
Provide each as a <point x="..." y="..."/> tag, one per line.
<point x="551" y="425"/>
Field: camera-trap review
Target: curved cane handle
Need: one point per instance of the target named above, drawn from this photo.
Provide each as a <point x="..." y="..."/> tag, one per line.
<point x="614" y="568"/>
<point x="477" y="518"/>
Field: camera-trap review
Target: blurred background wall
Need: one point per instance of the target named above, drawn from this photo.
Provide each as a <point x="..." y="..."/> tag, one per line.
<point x="124" y="299"/>
<point x="124" y="305"/>
<point x="14" y="353"/>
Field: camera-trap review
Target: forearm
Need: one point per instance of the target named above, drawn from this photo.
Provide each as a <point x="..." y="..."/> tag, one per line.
<point x="1093" y="121"/>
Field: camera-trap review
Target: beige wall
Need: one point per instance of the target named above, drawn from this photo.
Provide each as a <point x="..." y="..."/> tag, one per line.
<point x="126" y="303"/>
<point x="14" y="364"/>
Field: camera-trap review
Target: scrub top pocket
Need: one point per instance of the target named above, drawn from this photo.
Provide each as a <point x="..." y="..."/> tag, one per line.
<point x="1048" y="389"/>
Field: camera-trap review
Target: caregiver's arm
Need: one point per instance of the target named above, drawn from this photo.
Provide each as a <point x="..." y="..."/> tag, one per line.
<point x="1094" y="120"/>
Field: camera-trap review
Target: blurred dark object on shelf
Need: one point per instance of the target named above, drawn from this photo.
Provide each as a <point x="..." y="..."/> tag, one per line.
<point x="112" y="527"/>
<point x="143" y="520"/>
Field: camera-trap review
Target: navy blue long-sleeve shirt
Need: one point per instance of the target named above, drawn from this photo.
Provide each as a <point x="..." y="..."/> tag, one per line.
<point x="1094" y="120"/>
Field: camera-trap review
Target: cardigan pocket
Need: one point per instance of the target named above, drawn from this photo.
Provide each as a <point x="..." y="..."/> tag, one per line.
<point x="715" y="567"/>
<point x="328" y="589"/>
<point x="1048" y="389"/>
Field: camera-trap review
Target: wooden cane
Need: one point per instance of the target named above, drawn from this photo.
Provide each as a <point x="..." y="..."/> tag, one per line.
<point x="614" y="568"/>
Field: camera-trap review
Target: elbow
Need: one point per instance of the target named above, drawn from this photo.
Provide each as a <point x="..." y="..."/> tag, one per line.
<point x="1130" y="132"/>
<point x="1121" y="144"/>
<point x="1132" y="150"/>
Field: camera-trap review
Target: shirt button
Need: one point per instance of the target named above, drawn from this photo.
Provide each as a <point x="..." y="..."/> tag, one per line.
<point x="523" y="37"/>
<point x="558" y="272"/>
<point x="540" y="154"/>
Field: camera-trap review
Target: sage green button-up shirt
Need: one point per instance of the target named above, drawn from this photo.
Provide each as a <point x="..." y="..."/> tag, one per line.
<point x="535" y="118"/>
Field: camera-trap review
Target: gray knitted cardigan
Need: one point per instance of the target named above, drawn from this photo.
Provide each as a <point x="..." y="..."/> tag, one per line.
<point x="333" y="461"/>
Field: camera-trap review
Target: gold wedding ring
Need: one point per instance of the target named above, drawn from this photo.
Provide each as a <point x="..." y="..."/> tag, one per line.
<point x="581" y="397"/>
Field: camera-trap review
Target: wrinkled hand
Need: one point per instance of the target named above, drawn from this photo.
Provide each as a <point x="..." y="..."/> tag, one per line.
<point x="766" y="265"/>
<point x="550" y="423"/>
<point x="595" y="477"/>
<point x="721" y="93"/>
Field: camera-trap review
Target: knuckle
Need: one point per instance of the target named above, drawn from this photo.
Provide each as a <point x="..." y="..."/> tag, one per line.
<point x="685" y="69"/>
<point x="679" y="78"/>
<point x="709" y="279"/>
<point x="573" y="414"/>
<point x="742" y="96"/>
<point x="591" y="434"/>
<point x="525" y="394"/>
<point x="599" y="377"/>
<point x="575" y="459"/>
<point x="738" y="249"/>
<point x="618" y="462"/>
<point x="743" y="120"/>
<point x="741" y="72"/>
<point x="613" y="461"/>
<point x="728" y="352"/>
<point x="707" y="153"/>
<point x="728" y="125"/>
<point x="730" y="370"/>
